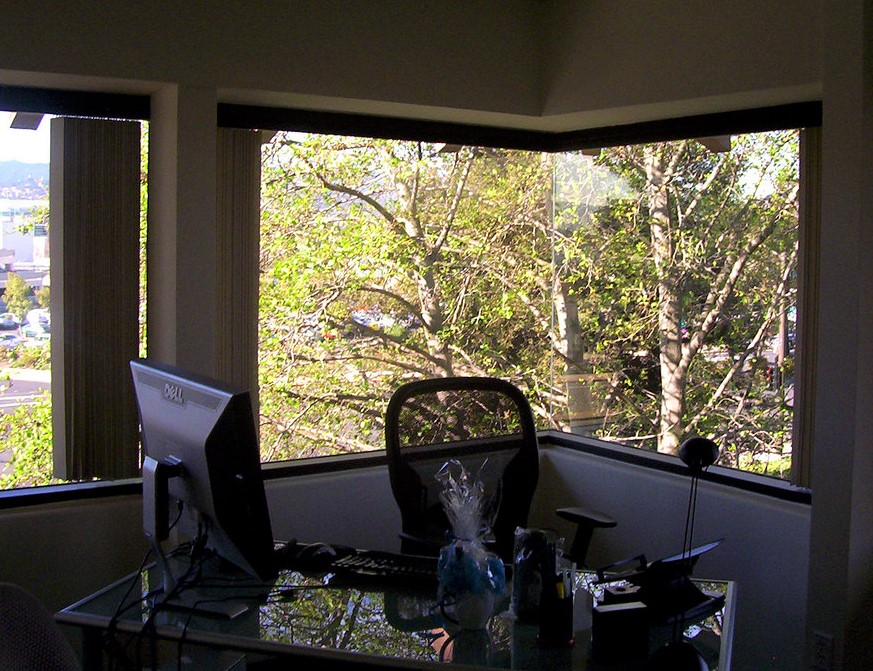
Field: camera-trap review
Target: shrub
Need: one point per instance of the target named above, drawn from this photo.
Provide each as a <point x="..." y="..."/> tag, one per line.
<point x="27" y="432"/>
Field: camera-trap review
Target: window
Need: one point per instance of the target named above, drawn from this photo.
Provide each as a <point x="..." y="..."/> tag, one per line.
<point x="676" y="294"/>
<point x="587" y="277"/>
<point x="638" y="293"/>
<point x="79" y="273"/>
<point x="25" y="291"/>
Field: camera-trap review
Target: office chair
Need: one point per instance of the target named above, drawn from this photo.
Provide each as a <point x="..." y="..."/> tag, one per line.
<point x="29" y="637"/>
<point x="486" y="424"/>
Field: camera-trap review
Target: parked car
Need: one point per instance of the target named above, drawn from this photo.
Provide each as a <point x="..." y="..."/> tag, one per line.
<point x="39" y="316"/>
<point x="8" y="322"/>
<point x="30" y="330"/>
<point x="39" y="340"/>
<point x="9" y="340"/>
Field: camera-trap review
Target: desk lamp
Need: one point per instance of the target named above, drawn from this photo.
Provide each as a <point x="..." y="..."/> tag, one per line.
<point x="677" y="655"/>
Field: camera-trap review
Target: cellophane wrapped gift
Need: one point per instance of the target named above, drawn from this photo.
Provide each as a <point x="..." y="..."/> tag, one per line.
<point x="471" y="578"/>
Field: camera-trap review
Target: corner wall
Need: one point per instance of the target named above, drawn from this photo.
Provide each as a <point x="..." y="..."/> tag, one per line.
<point x="605" y="61"/>
<point x="766" y="546"/>
<point x="353" y="507"/>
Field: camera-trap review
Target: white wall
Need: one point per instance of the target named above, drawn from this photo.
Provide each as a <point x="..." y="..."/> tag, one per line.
<point x="353" y="508"/>
<point x="608" y="63"/>
<point x="841" y="560"/>
<point x="765" y="549"/>
<point x="441" y="53"/>
<point x="11" y="237"/>
<point x="530" y="63"/>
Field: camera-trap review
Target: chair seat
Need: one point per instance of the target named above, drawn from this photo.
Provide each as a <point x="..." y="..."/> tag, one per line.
<point x="29" y="637"/>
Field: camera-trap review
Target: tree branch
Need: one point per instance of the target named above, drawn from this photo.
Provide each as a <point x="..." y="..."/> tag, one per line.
<point x="754" y="344"/>
<point x="456" y="201"/>
<point x="729" y="275"/>
<point x="360" y="195"/>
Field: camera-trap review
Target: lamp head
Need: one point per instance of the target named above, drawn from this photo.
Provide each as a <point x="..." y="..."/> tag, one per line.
<point x="698" y="453"/>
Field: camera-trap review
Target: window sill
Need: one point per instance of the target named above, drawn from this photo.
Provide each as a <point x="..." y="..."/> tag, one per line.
<point x="751" y="482"/>
<point x="85" y="491"/>
<point x="741" y="480"/>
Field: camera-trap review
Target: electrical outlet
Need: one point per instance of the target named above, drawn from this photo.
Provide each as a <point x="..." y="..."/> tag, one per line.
<point x="823" y="651"/>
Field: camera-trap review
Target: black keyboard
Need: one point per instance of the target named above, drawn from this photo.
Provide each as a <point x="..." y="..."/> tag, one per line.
<point x="377" y="565"/>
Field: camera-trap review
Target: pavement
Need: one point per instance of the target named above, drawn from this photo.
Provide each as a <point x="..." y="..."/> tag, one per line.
<point x="28" y="374"/>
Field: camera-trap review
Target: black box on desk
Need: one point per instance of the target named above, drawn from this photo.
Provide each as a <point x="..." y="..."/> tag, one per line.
<point x="620" y="631"/>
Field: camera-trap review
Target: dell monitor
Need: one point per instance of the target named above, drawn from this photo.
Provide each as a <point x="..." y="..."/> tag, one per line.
<point x="200" y="448"/>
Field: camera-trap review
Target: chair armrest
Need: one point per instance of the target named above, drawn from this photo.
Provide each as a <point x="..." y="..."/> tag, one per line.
<point x="586" y="521"/>
<point x="580" y="515"/>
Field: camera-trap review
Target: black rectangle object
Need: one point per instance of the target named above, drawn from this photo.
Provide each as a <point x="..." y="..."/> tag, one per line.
<point x="620" y="632"/>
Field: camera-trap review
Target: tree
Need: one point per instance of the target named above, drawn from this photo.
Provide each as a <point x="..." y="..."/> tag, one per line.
<point x="704" y="270"/>
<point x="17" y="295"/>
<point x="378" y="258"/>
<point x="662" y="278"/>
<point x="27" y="433"/>
<point x="43" y="297"/>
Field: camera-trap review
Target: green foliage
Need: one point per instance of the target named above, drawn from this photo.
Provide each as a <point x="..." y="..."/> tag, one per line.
<point x="377" y="259"/>
<point x="27" y="433"/>
<point x="17" y="295"/>
<point x="729" y="270"/>
<point x="143" y="232"/>
<point x="386" y="260"/>
<point x="43" y="297"/>
<point x="38" y="216"/>
<point x="25" y="356"/>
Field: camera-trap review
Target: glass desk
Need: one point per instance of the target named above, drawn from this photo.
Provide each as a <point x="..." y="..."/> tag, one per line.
<point x="341" y="621"/>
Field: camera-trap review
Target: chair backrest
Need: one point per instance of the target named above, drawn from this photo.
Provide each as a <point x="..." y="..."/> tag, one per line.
<point x="29" y="637"/>
<point x="484" y="423"/>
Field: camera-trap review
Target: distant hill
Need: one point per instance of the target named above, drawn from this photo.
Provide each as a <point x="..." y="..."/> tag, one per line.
<point x="28" y="181"/>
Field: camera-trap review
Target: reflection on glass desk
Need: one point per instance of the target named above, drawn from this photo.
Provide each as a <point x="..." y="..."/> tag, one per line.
<point x="343" y="622"/>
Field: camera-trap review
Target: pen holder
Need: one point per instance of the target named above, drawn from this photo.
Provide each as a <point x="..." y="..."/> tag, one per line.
<point x="556" y="604"/>
<point x="534" y="558"/>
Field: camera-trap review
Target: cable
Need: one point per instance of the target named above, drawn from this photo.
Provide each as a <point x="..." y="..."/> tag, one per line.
<point x="149" y="627"/>
<point x="109" y="641"/>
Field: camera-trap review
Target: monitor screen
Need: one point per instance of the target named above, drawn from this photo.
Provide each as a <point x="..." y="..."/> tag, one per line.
<point x="203" y="433"/>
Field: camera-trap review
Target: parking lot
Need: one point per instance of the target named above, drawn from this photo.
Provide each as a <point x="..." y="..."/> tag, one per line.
<point x="22" y="387"/>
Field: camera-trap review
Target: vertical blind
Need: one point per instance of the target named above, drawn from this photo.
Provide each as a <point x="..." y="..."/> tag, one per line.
<point x="94" y="223"/>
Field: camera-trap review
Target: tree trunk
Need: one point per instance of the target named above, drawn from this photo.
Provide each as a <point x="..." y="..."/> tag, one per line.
<point x="432" y="313"/>
<point x="673" y="377"/>
<point x="581" y="410"/>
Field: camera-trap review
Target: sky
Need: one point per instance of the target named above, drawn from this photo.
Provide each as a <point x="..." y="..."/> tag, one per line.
<point x="28" y="146"/>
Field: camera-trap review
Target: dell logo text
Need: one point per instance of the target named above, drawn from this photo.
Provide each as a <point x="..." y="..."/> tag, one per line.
<point x="173" y="393"/>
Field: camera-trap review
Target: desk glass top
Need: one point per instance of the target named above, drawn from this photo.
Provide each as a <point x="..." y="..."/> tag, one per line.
<point x="342" y="618"/>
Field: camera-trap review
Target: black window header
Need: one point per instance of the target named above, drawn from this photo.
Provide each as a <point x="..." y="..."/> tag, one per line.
<point x="795" y="115"/>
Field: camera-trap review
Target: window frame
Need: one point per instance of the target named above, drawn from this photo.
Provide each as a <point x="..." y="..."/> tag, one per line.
<point x="806" y="114"/>
<point x="801" y="116"/>
<point x="81" y="105"/>
<point x="737" y="480"/>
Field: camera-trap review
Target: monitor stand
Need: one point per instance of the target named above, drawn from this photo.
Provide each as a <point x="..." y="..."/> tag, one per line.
<point x="155" y="495"/>
<point x="195" y="601"/>
<point x="190" y="599"/>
